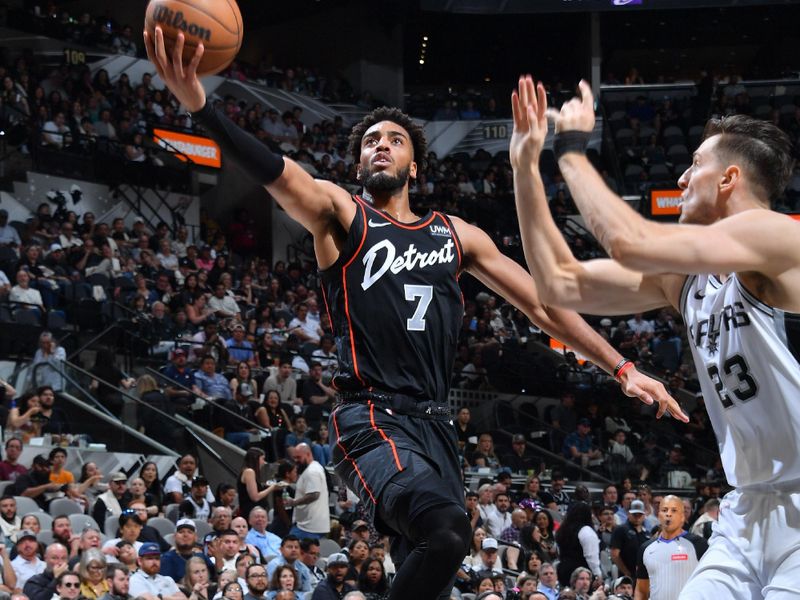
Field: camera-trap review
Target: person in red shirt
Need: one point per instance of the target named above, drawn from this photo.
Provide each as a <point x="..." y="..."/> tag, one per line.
<point x="10" y="469"/>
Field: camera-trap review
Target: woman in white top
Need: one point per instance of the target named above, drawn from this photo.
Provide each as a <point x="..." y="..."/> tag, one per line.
<point x="578" y="544"/>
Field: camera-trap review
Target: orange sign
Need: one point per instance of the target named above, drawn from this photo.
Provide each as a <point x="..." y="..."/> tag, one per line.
<point x="200" y="150"/>
<point x="795" y="217"/>
<point x="665" y="203"/>
<point x="561" y="348"/>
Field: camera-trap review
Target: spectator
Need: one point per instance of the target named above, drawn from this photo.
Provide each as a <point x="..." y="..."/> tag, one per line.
<point x="36" y="483"/>
<point x="239" y="428"/>
<point x="67" y="586"/>
<point x="560" y="496"/>
<point x="548" y="581"/>
<point x="244" y="375"/>
<point x="196" y="505"/>
<point x="283" y="579"/>
<point x="174" y="561"/>
<point x="484" y="455"/>
<point x="326" y="356"/>
<point x="223" y="305"/>
<point x="43" y="585"/>
<point x="578" y="544"/>
<point x="27" y="563"/>
<point x="521" y="460"/>
<point x="196" y="584"/>
<point x="299" y="432"/>
<point x="317" y="397"/>
<point x="58" y="459"/>
<point x="309" y="555"/>
<point x="118" y="580"/>
<point x="109" y="503"/>
<point x="153" y="486"/>
<point x="628" y="538"/>
<point x="250" y="490"/>
<point x="55" y="419"/>
<point x="55" y="133"/>
<point x="372" y="581"/>
<point x="645" y="494"/>
<point x="289" y="555"/>
<point x="617" y="446"/>
<point x="579" y="445"/>
<point x="9" y="236"/>
<point x="241" y="349"/>
<point x="10" y="522"/>
<point x="23" y="294"/>
<point x="178" y="372"/>
<point x="311" y="515"/>
<point x="147" y="583"/>
<point x="267" y="542"/>
<point x="62" y="534"/>
<point x="178" y="485"/>
<point x="500" y="518"/>
<point x="334" y="586"/>
<point x="129" y="529"/>
<point x="213" y="385"/>
<point x="10" y="469"/>
<point x="283" y="382"/>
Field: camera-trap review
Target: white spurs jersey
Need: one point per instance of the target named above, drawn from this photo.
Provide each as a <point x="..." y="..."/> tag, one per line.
<point x="746" y="354"/>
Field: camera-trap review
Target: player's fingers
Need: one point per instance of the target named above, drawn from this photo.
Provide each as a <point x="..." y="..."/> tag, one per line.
<point x="541" y="98"/>
<point x="676" y="411"/>
<point x="523" y="92"/>
<point x="554" y="115"/>
<point x="191" y="69"/>
<point x="531" y="89"/>
<point x="151" y="52"/>
<point x="161" y="54"/>
<point x="177" y="55"/>
<point x="515" y="108"/>
<point x="587" y="97"/>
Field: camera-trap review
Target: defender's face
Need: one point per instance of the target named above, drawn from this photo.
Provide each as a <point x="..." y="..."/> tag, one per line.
<point x="700" y="185"/>
<point x="386" y="147"/>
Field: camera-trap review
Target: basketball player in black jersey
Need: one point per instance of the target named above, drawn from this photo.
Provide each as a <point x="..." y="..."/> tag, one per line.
<point x="391" y="287"/>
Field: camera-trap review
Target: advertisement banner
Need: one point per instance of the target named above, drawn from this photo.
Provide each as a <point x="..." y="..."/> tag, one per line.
<point x="665" y="203"/>
<point x="200" y="150"/>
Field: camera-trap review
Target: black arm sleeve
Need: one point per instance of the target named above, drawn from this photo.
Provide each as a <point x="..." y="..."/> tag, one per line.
<point x="641" y="568"/>
<point x="258" y="160"/>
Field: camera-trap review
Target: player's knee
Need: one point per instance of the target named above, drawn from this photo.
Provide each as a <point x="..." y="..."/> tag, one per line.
<point x="447" y="533"/>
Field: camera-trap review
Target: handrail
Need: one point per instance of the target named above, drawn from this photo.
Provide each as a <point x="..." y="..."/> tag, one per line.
<point x="100" y="411"/>
<point x="60" y="369"/>
<point x="217" y="406"/>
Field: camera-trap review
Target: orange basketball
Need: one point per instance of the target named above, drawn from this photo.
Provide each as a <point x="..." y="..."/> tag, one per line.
<point x="215" y="23"/>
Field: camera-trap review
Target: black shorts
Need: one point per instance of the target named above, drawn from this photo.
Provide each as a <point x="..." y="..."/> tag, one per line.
<point x="399" y="465"/>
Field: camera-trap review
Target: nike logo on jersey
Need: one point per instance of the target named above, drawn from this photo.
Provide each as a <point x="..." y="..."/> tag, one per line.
<point x="372" y="223"/>
<point x="406" y="261"/>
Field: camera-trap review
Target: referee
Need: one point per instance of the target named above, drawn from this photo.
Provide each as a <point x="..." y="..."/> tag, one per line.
<point x="666" y="562"/>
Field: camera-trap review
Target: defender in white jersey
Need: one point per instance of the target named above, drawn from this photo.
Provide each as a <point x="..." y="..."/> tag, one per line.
<point x="742" y="320"/>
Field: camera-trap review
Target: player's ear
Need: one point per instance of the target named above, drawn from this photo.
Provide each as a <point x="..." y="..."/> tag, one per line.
<point x="412" y="170"/>
<point x="358" y="173"/>
<point x="730" y="179"/>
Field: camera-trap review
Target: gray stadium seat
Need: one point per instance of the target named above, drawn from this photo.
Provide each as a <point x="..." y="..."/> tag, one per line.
<point x="162" y="524"/>
<point x="81" y="522"/>
<point x="64" y="506"/>
<point x="328" y="547"/>
<point x="26" y="505"/>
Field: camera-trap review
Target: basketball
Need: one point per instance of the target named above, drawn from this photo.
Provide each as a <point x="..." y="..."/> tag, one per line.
<point x="215" y="23"/>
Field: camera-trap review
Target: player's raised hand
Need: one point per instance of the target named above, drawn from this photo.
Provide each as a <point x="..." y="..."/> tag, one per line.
<point x="578" y="113"/>
<point x="181" y="80"/>
<point x="648" y="390"/>
<point x="529" y="106"/>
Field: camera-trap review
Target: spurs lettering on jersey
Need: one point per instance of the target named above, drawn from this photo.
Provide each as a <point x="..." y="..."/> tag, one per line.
<point x="386" y="253"/>
<point x="706" y="331"/>
<point x="746" y="354"/>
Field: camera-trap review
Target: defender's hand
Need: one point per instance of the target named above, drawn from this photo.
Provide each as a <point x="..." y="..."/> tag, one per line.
<point x="529" y="105"/>
<point x="181" y="81"/>
<point x="638" y="385"/>
<point x="577" y="114"/>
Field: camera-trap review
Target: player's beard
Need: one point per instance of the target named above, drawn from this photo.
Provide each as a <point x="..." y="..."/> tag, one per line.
<point x="382" y="182"/>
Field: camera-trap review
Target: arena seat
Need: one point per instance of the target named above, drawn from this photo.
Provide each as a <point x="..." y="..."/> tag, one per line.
<point x="64" y="506"/>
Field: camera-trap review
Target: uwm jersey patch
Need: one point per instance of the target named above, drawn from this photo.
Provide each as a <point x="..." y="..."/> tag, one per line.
<point x="395" y="304"/>
<point x="746" y="354"/>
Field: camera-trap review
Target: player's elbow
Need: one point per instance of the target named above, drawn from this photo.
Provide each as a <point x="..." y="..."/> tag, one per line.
<point x="626" y="251"/>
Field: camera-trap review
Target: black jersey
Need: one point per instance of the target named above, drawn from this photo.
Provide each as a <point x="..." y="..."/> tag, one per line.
<point x="395" y="304"/>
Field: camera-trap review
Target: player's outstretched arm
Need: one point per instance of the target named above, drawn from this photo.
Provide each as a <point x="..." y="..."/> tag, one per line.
<point x="598" y="287"/>
<point x="312" y="203"/>
<point x="498" y="272"/>
<point x="751" y="241"/>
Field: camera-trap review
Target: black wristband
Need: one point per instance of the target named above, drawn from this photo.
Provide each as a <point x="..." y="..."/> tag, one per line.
<point x="570" y="141"/>
<point x="256" y="158"/>
<point x="619" y="366"/>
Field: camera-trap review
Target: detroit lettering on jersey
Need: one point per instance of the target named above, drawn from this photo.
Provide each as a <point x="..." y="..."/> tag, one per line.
<point x="395" y="304"/>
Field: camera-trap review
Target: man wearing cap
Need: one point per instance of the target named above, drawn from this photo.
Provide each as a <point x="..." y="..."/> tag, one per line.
<point x="579" y="445"/>
<point x="178" y="485"/>
<point x="622" y="588"/>
<point x="645" y="494"/>
<point x="196" y="504"/>
<point x="486" y="561"/>
<point x="359" y="531"/>
<point x="267" y="542"/>
<point x="333" y="586"/>
<point x="238" y="430"/>
<point x="147" y="582"/>
<point x="240" y="349"/>
<point x="108" y="503"/>
<point x="27" y="563"/>
<point x="628" y="538"/>
<point x="43" y="585"/>
<point x="521" y="460"/>
<point x="35" y="483"/>
<point x="178" y="372"/>
<point x="173" y="562"/>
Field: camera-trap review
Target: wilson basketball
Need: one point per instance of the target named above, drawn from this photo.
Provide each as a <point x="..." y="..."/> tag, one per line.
<point x="215" y="23"/>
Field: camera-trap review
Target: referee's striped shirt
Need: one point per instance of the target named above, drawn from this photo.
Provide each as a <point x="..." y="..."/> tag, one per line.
<point x="669" y="563"/>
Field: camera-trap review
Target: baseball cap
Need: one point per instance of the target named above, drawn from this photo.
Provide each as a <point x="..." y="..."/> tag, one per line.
<point x="620" y="580"/>
<point x="185" y="523"/>
<point x="585" y="422"/>
<point x="24" y="534"/>
<point x="41" y="460"/>
<point x="238" y="326"/>
<point x="637" y="507"/>
<point x="138" y="220"/>
<point x="199" y="480"/>
<point x="245" y="389"/>
<point x="606" y="322"/>
<point x="149" y="548"/>
<point x="337" y="558"/>
<point x="518" y="437"/>
<point x="118" y="476"/>
<point x="54" y="247"/>
<point x="359" y="525"/>
<point x="179" y="352"/>
<point x="489" y="544"/>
